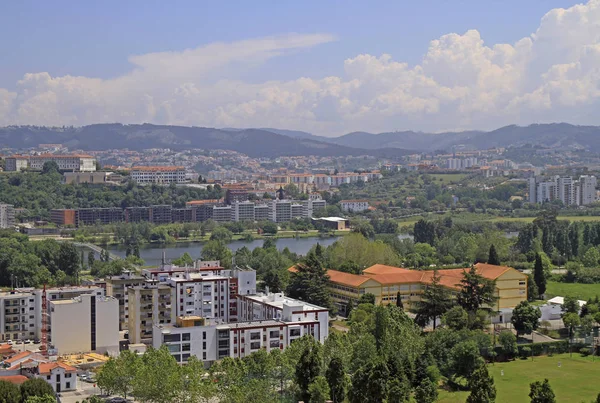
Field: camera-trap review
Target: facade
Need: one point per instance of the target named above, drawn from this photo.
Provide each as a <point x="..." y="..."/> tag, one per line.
<point x="587" y="189"/>
<point x="386" y="281"/>
<point x="74" y="162"/>
<point x="64" y="217"/>
<point x="116" y="287"/>
<point x="96" y="319"/>
<point x="158" y="174"/>
<point x="569" y="191"/>
<point x="92" y="216"/>
<point x="222" y="213"/>
<point x="85" y="177"/>
<point x="209" y="340"/>
<point x="243" y="211"/>
<point x="354" y="206"/>
<point x="7" y="216"/>
<point x="147" y="304"/>
<point x="60" y="376"/>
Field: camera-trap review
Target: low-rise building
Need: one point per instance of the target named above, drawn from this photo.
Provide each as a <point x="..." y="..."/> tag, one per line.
<point x="158" y="174"/>
<point x="7" y="216"/>
<point x="354" y="206"/>
<point x="60" y="376"/>
<point x="72" y="162"/>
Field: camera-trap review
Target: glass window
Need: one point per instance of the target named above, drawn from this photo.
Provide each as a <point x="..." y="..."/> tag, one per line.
<point x="185" y="337"/>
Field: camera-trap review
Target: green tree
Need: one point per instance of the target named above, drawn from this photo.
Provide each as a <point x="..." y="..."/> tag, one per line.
<point x="367" y="298"/>
<point x="308" y="366"/>
<point x="570" y="304"/>
<point x="318" y="390"/>
<point x="9" y="393"/>
<point x="482" y="386"/>
<point x="68" y="259"/>
<point x="476" y="292"/>
<point x="539" y="275"/>
<point x="398" y="390"/>
<point x="591" y="257"/>
<point x="158" y="378"/>
<point x="465" y="358"/>
<point x="435" y="301"/>
<point x="35" y="387"/>
<point x="217" y="250"/>
<point x="269" y="227"/>
<point x="40" y="399"/>
<point x="310" y="282"/>
<point x="426" y="392"/>
<point x="399" y="303"/>
<point x="532" y="290"/>
<point x="50" y="167"/>
<point x="508" y="341"/>
<point x="493" y="256"/>
<point x="184" y="260"/>
<point x="541" y="392"/>
<point x="364" y="228"/>
<point x="571" y="320"/>
<point x="456" y="318"/>
<point x="525" y="318"/>
<point x="336" y="379"/>
<point x="221" y="234"/>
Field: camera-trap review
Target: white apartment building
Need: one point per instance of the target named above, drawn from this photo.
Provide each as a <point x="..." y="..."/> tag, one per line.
<point x="158" y="174"/>
<point x="7" y="216"/>
<point x="354" y="206"/>
<point x="587" y="189"/>
<point x="571" y="192"/>
<point x="210" y="341"/>
<point x="84" y="324"/>
<point x="243" y="211"/>
<point x="71" y="162"/>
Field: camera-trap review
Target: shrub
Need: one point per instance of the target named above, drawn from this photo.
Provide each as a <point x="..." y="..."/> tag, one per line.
<point x="525" y="352"/>
<point x="585" y="351"/>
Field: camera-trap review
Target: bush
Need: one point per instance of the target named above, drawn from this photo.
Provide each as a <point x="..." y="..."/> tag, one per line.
<point x="525" y="352"/>
<point x="585" y="351"/>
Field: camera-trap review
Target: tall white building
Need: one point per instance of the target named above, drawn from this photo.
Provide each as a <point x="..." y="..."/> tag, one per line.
<point x="587" y="189"/>
<point x="571" y="192"/>
<point x="7" y="216"/>
<point x="85" y="323"/>
<point x="158" y="174"/>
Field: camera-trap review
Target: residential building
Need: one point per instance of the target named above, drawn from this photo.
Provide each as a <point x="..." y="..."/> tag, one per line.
<point x="384" y="282"/>
<point x="587" y="189"/>
<point x="93" y="216"/>
<point x="60" y="376"/>
<point x="162" y="214"/>
<point x="97" y="325"/>
<point x="137" y="214"/>
<point x="262" y="212"/>
<point x="281" y="210"/>
<point x="7" y="216"/>
<point x="243" y="211"/>
<point x="158" y="174"/>
<point x="222" y="213"/>
<point x="148" y="304"/>
<point x="116" y="286"/>
<point x="569" y="191"/>
<point x="85" y="177"/>
<point x="210" y="340"/>
<point x="74" y="162"/>
<point x="64" y="217"/>
<point x="354" y="206"/>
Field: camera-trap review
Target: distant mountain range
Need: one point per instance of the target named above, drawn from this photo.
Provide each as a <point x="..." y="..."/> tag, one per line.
<point x="548" y="135"/>
<point x="253" y="142"/>
<point x="269" y="142"/>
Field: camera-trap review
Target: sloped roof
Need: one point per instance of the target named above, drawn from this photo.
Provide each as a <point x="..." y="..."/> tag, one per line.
<point x="14" y="379"/>
<point x="352" y="280"/>
<point x="46" y="368"/>
<point x="491" y="271"/>
<point x="384" y="269"/>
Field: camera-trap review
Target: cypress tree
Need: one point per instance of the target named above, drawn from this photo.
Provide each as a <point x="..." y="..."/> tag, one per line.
<point x="493" y="256"/>
<point x="539" y="276"/>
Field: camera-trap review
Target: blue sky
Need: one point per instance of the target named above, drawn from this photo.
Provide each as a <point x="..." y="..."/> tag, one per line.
<point x="96" y="40"/>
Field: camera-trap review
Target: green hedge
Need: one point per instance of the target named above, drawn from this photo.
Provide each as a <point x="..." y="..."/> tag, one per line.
<point x="545" y="348"/>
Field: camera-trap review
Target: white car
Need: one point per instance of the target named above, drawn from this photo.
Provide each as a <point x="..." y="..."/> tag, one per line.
<point x="28" y="341"/>
<point x="9" y="342"/>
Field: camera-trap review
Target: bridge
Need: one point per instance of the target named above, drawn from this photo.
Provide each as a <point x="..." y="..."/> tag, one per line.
<point x="96" y="249"/>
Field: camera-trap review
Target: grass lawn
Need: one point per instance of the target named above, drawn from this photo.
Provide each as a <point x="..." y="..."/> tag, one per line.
<point x="580" y="291"/>
<point x="447" y="178"/>
<point x="575" y="381"/>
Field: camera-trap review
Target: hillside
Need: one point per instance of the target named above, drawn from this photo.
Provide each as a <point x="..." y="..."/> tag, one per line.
<point x="253" y="142"/>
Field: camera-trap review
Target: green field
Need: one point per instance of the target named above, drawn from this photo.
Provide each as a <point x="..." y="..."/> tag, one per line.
<point x="580" y="291"/>
<point x="444" y="179"/>
<point x="576" y="380"/>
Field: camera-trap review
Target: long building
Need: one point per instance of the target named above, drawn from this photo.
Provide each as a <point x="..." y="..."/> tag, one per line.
<point x="564" y="188"/>
<point x="158" y="174"/>
<point x="71" y="162"/>
<point x="384" y="282"/>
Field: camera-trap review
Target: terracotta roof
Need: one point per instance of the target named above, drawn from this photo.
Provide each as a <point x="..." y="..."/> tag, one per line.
<point x="491" y="271"/>
<point x="383" y="269"/>
<point x="157" y="168"/>
<point x="46" y="367"/>
<point x="352" y="280"/>
<point x="18" y="357"/>
<point x="14" y="379"/>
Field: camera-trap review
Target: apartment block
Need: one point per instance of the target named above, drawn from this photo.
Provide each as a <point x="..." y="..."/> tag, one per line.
<point x="222" y="213"/>
<point x="64" y="217"/>
<point x="92" y="216"/>
<point x="74" y="162"/>
<point x="148" y="304"/>
<point x="116" y="287"/>
<point x="85" y="177"/>
<point x="96" y="319"/>
<point x="243" y="211"/>
<point x="354" y="206"/>
<point x="158" y="174"/>
<point x="137" y="214"/>
<point x="162" y="214"/>
<point x="569" y="191"/>
<point x="7" y="216"/>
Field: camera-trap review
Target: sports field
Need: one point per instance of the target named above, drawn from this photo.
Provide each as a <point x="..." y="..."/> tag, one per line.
<point x="575" y="380"/>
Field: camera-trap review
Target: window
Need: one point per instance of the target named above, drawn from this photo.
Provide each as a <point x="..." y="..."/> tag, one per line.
<point x="204" y="345"/>
<point x="67" y="375"/>
<point x="203" y="335"/>
<point x="255" y="336"/>
<point x="68" y="385"/>
<point x="522" y="283"/>
<point x="185" y="337"/>
<point x="274" y="343"/>
<point x="185" y="347"/>
<point x="274" y="334"/>
<point x="204" y="356"/>
<point x="255" y="345"/>
<point x="170" y="338"/>
<point x="294" y="332"/>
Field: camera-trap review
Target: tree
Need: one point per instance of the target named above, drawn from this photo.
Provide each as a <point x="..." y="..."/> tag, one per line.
<point x="158" y="378"/>
<point x="532" y="290"/>
<point x="367" y="298"/>
<point x="541" y="392"/>
<point x="476" y="291"/>
<point x="68" y="259"/>
<point x="217" y="250"/>
<point x="308" y="367"/>
<point x="571" y="320"/>
<point x="9" y="393"/>
<point x="508" y="341"/>
<point x="482" y="386"/>
<point x="310" y="282"/>
<point x="456" y="318"/>
<point x="539" y="276"/>
<point x="40" y="399"/>
<point x="318" y="390"/>
<point x="435" y="301"/>
<point x="221" y="234"/>
<point x="465" y="358"/>
<point x="570" y="304"/>
<point x="35" y="387"/>
<point x="493" y="256"/>
<point x="525" y="318"/>
<point x="591" y="257"/>
<point x="184" y="260"/>
<point x="117" y="374"/>
<point x="426" y="392"/>
<point x="399" y="303"/>
<point x="336" y="379"/>
<point x="269" y="227"/>
<point x="364" y="228"/>
<point x="50" y="167"/>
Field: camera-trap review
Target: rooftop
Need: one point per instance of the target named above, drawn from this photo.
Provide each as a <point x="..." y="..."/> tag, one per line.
<point x="158" y="168"/>
<point x="278" y="300"/>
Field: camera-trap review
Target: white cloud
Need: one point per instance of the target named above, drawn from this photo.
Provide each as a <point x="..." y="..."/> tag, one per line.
<point x="461" y="83"/>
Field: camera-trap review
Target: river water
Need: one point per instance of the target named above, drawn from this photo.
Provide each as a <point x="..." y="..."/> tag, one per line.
<point x="152" y="253"/>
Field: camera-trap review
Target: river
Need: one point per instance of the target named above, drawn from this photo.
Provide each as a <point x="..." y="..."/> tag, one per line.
<point x="152" y="253"/>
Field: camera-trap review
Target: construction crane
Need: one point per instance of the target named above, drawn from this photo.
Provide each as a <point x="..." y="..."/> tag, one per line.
<point x="44" y="345"/>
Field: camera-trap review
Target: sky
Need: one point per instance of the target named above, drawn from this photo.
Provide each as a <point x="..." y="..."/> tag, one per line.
<point x="327" y="67"/>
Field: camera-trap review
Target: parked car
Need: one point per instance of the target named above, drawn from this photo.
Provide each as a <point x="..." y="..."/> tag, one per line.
<point x="9" y="342"/>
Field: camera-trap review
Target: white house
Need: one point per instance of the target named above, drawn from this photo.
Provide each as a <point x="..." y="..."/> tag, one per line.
<point x="60" y="376"/>
<point x="354" y="206"/>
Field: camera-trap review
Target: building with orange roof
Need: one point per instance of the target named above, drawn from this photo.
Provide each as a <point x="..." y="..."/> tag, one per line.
<point x="62" y="377"/>
<point x="69" y="162"/>
<point x="385" y="282"/>
<point x="14" y="379"/>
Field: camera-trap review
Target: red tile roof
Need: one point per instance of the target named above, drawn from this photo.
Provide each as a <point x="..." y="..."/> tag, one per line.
<point x="353" y="280"/>
<point x="45" y="368"/>
<point x="14" y="379"/>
